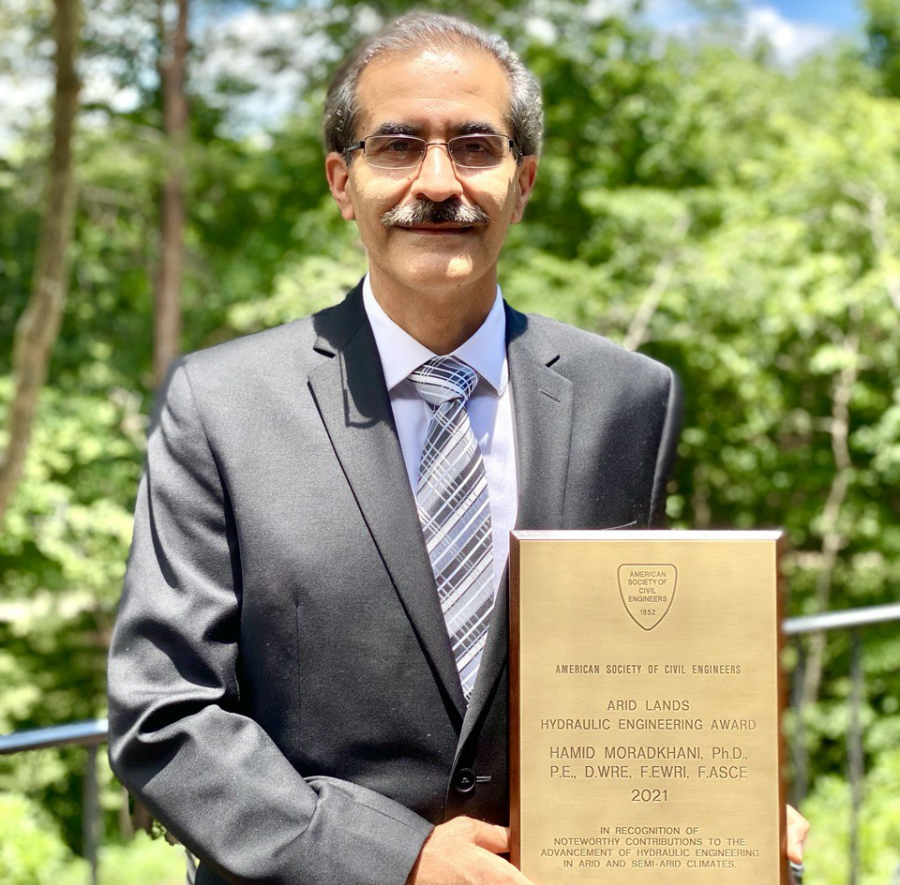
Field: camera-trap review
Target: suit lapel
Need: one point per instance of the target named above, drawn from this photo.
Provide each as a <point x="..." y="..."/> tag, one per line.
<point x="542" y="403"/>
<point x="353" y="401"/>
<point x="542" y="400"/>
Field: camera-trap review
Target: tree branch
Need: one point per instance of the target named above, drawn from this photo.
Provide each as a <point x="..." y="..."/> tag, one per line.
<point x="876" y="205"/>
<point x="662" y="276"/>
<point x="833" y="539"/>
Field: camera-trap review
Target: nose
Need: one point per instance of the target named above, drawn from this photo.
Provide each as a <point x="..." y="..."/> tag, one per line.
<point x="436" y="179"/>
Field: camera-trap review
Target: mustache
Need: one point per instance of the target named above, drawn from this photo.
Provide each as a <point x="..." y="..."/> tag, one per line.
<point x="429" y="212"/>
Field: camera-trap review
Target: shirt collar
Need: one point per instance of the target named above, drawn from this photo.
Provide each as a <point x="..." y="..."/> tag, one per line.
<point x="400" y="353"/>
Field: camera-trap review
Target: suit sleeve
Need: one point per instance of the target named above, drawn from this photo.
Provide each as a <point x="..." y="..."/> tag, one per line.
<point x="668" y="444"/>
<point x="178" y="739"/>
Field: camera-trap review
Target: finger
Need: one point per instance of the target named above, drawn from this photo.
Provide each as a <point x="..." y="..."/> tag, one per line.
<point x="506" y="871"/>
<point x="797" y="828"/>
<point x="491" y="837"/>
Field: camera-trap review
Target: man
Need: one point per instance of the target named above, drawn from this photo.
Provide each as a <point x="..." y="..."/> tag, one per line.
<point x="308" y="677"/>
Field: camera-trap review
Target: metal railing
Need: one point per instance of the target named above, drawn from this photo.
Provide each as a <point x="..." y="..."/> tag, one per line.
<point x="86" y="734"/>
<point x="93" y="733"/>
<point x="853" y="620"/>
<point x="845" y="620"/>
<point x="90" y="735"/>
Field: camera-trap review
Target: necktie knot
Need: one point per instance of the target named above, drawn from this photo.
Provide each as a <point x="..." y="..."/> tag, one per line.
<point x="442" y="379"/>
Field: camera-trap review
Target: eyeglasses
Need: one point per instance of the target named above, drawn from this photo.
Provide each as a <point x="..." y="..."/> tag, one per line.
<point x="407" y="151"/>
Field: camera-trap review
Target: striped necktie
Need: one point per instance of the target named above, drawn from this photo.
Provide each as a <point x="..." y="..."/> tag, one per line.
<point x="452" y="498"/>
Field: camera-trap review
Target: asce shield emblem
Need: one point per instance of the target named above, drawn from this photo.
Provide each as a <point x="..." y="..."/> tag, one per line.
<point x="647" y="591"/>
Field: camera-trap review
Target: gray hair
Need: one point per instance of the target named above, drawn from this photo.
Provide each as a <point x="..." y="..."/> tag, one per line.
<point x="432" y="31"/>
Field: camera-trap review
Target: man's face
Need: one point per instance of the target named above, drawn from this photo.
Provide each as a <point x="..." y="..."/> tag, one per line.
<point x="435" y="95"/>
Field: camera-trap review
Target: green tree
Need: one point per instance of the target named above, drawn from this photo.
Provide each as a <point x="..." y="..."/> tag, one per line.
<point x="883" y="34"/>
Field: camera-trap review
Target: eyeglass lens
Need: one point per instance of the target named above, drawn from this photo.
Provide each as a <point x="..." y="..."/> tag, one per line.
<point x="406" y="151"/>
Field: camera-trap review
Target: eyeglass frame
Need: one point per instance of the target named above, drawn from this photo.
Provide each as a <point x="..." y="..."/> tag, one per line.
<point x="361" y="145"/>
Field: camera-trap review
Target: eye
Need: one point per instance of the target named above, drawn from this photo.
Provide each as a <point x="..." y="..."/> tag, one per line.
<point x="392" y="145"/>
<point x="398" y="145"/>
<point x="478" y="151"/>
<point x="397" y="151"/>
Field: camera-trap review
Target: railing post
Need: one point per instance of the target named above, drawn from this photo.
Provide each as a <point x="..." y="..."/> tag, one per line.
<point x="855" y="759"/>
<point x="798" y="743"/>
<point x="90" y="819"/>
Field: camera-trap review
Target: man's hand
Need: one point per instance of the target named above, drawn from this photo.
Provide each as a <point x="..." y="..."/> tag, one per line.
<point x="464" y="851"/>
<point x="797" y="828"/>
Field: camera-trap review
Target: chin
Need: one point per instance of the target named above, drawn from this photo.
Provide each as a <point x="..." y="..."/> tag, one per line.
<point x="440" y="271"/>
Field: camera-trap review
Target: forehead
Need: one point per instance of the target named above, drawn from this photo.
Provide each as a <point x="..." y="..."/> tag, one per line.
<point x="434" y="90"/>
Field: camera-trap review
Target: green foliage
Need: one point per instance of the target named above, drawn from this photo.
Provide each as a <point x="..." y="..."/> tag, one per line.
<point x="883" y="32"/>
<point x="30" y="852"/>
<point x="827" y="850"/>
<point x="143" y="860"/>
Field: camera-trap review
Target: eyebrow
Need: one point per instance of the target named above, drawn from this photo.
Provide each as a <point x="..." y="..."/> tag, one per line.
<point x="390" y="128"/>
<point x="477" y="128"/>
<point x="471" y="128"/>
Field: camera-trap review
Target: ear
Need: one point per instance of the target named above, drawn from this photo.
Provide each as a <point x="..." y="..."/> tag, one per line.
<point x="526" y="172"/>
<point x="338" y="174"/>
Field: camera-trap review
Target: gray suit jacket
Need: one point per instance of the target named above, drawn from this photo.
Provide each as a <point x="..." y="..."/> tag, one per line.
<point x="282" y="692"/>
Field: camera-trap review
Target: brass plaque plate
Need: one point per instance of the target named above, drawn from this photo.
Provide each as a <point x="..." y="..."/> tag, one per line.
<point x="645" y="706"/>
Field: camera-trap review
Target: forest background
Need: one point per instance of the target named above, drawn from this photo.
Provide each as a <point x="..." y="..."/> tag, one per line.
<point x="731" y="214"/>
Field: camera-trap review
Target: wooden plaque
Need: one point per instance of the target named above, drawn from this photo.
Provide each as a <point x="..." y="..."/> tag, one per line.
<point x="645" y="702"/>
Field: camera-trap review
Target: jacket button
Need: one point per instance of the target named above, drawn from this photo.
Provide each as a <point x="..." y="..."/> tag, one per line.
<point x="464" y="780"/>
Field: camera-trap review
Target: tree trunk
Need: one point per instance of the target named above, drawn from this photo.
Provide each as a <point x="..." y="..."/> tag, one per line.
<point x="167" y="289"/>
<point x="38" y="327"/>
<point x="834" y="540"/>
